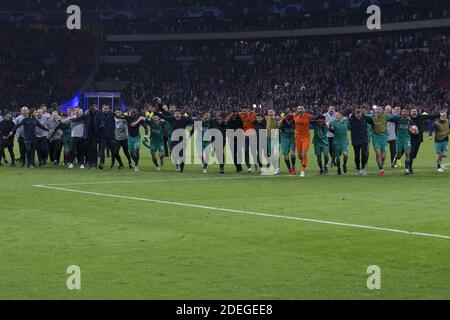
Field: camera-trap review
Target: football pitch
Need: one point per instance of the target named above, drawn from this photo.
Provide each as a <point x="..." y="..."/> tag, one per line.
<point x="164" y="235"/>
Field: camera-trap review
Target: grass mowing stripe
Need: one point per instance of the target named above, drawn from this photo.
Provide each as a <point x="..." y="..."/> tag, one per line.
<point x="162" y="180"/>
<point x="245" y="212"/>
<point x="201" y="179"/>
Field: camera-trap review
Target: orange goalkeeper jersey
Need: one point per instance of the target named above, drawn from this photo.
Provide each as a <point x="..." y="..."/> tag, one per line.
<point x="248" y="122"/>
<point x="302" y="123"/>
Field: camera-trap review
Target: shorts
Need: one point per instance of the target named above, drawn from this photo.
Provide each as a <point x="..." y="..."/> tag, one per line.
<point x="66" y="142"/>
<point x="134" y="143"/>
<point x="379" y="142"/>
<point x="287" y="145"/>
<point x="441" y="147"/>
<point x="66" y="145"/>
<point x="403" y="145"/>
<point x="302" y="144"/>
<point x="7" y="143"/>
<point x="321" y="148"/>
<point x="157" y="146"/>
<point x="201" y="147"/>
<point x="340" y="147"/>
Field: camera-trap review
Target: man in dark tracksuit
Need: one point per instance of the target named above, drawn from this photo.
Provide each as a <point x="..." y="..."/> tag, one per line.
<point x="20" y="135"/>
<point x="107" y="131"/>
<point x="235" y="123"/>
<point x="6" y="142"/>
<point x="177" y="121"/>
<point x="417" y="139"/>
<point x="261" y="128"/>
<point x="360" y="141"/>
<point x="92" y="136"/>
<point x="29" y="124"/>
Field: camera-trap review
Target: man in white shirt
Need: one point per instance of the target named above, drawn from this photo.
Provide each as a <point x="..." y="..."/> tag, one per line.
<point x="45" y="114"/>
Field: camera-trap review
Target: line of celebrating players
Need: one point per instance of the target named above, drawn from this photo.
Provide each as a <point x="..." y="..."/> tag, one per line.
<point x="86" y="137"/>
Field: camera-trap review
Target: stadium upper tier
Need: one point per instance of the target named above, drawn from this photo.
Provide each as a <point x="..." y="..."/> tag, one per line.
<point x="409" y="69"/>
<point x="40" y="63"/>
<point x="289" y="5"/>
<point x="143" y="17"/>
<point x="321" y="19"/>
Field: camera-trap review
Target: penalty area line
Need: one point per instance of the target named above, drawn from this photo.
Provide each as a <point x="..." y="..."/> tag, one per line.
<point x="278" y="216"/>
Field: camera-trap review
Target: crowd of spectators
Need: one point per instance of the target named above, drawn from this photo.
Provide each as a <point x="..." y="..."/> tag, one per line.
<point x="345" y="71"/>
<point x="42" y="65"/>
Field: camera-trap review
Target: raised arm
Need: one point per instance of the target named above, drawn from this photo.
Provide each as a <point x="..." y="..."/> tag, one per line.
<point x="313" y="121"/>
<point x="39" y="125"/>
<point x="138" y="121"/>
<point x="430" y="116"/>
<point x="58" y="127"/>
<point x="394" y="120"/>
<point x="79" y="119"/>
<point x="149" y="122"/>
<point x="17" y="126"/>
<point x="369" y="120"/>
<point x="389" y="117"/>
<point x="188" y="120"/>
<point x="164" y="114"/>
<point x="228" y="118"/>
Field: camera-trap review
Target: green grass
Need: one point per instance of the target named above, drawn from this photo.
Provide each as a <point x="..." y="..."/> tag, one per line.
<point x="131" y="249"/>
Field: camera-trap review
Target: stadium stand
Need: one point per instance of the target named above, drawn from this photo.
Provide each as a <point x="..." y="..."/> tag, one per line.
<point x="43" y="65"/>
<point x="346" y="71"/>
<point x="408" y="67"/>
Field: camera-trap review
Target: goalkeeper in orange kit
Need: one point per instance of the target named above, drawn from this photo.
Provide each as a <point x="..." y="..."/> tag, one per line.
<point x="302" y="136"/>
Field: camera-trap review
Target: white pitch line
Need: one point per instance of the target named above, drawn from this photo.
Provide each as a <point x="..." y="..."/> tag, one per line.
<point x="446" y="166"/>
<point x="245" y="212"/>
